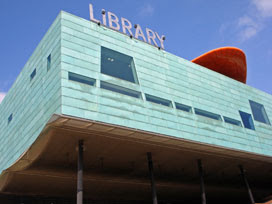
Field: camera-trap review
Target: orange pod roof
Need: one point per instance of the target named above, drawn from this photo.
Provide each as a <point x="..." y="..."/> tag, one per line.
<point x="229" y="61"/>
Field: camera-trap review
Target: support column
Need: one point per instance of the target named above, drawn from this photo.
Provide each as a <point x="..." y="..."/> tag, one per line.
<point x="247" y="185"/>
<point x="80" y="173"/>
<point x="152" y="179"/>
<point x="202" y="186"/>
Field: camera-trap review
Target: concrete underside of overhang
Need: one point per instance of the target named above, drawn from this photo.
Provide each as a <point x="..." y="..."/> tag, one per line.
<point x="115" y="166"/>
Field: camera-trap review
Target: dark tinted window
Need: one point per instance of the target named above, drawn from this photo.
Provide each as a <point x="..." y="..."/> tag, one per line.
<point x="232" y="121"/>
<point x="247" y="120"/>
<point x="183" y="107"/>
<point x="33" y="74"/>
<point x="119" y="89"/>
<point x="118" y="65"/>
<point x="258" y="112"/>
<point x="48" y="62"/>
<point x="81" y="79"/>
<point x="207" y="114"/>
<point x="158" y="100"/>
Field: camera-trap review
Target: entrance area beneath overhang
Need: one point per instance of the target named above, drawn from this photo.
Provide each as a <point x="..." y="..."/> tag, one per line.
<point x="115" y="168"/>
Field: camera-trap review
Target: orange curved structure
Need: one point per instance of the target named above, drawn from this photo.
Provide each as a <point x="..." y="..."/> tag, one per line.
<point x="229" y="61"/>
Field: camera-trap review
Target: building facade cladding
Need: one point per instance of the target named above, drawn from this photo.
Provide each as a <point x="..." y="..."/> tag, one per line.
<point x="75" y="47"/>
<point x="32" y="100"/>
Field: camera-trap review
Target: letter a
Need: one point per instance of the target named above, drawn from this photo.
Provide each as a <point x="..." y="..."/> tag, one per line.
<point x="139" y="32"/>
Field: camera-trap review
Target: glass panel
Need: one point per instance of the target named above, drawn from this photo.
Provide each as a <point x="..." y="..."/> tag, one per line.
<point x="259" y="112"/>
<point x="232" y="121"/>
<point x="33" y="74"/>
<point x="183" y="107"/>
<point x="207" y="114"/>
<point x="118" y="65"/>
<point x="119" y="89"/>
<point x="48" y="62"/>
<point x="247" y="120"/>
<point x="81" y="79"/>
<point x="158" y="100"/>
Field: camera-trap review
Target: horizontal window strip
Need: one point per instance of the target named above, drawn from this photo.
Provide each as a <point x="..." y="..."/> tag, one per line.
<point x="183" y="107"/>
<point x="207" y="114"/>
<point x="81" y="79"/>
<point x="232" y="121"/>
<point x="158" y="100"/>
<point x="119" y="89"/>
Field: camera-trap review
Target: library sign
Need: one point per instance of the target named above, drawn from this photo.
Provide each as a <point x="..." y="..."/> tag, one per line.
<point x="125" y="25"/>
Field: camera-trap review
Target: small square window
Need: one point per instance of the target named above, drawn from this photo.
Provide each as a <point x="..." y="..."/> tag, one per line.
<point x="48" y="62"/>
<point x="247" y="120"/>
<point x="158" y="100"/>
<point x="118" y="65"/>
<point x="259" y="112"/>
<point x="10" y="118"/>
<point x="33" y="74"/>
<point x="183" y="107"/>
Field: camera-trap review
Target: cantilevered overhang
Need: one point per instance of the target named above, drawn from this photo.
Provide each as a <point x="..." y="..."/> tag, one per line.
<point x="115" y="165"/>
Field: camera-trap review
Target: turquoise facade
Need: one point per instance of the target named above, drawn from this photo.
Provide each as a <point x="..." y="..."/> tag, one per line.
<point x="75" y="46"/>
<point x="31" y="102"/>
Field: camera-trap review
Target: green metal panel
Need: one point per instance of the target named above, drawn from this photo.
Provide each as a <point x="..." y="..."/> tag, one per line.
<point x="32" y="102"/>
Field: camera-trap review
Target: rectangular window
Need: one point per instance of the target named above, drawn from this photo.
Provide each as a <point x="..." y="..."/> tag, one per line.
<point x="183" y="107"/>
<point x="10" y="118"/>
<point x="259" y="112"/>
<point x="232" y="121"/>
<point x="207" y="114"/>
<point x="118" y="65"/>
<point x="81" y="79"/>
<point x="247" y="120"/>
<point x="48" y="62"/>
<point x="119" y="89"/>
<point x="33" y="74"/>
<point x="158" y="100"/>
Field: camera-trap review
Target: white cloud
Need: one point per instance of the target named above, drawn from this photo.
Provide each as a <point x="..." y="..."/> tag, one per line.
<point x="248" y="27"/>
<point x="147" y="10"/>
<point x="264" y="7"/>
<point x="2" y="96"/>
<point x="250" y="24"/>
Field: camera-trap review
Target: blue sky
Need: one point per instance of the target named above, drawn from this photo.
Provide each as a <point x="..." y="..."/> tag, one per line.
<point x="191" y="27"/>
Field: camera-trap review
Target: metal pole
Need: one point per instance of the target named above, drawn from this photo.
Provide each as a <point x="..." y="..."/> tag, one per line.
<point x="80" y="173"/>
<point x="152" y="179"/>
<point x="202" y="187"/>
<point x="247" y="185"/>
